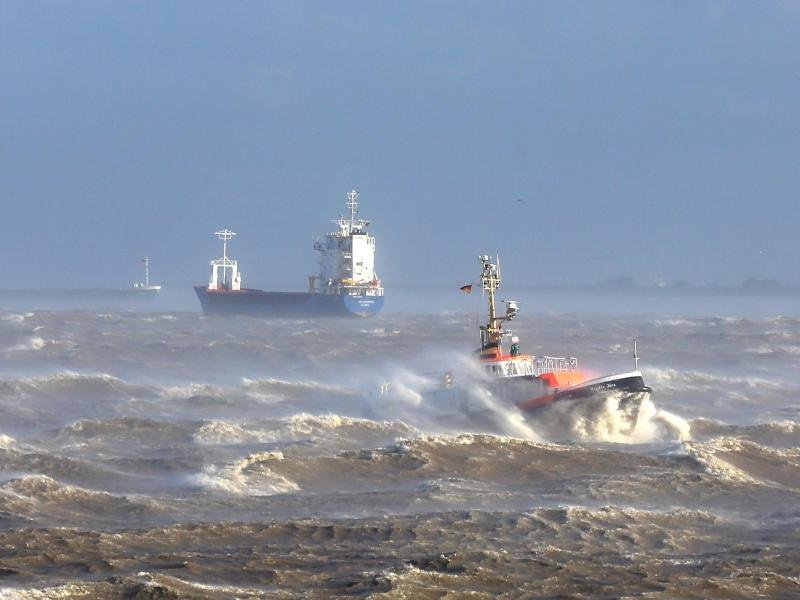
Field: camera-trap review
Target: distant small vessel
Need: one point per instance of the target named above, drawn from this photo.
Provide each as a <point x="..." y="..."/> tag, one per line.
<point x="146" y="287"/>
<point x="139" y="295"/>
<point x="347" y="283"/>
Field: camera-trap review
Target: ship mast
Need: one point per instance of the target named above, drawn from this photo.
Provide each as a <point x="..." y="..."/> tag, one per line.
<point x="492" y="333"/>
<point x="490" y="278"/>
<point x="352" y="204"/>
<point x="225" y="235"/>
<point x="146" y="261"/>
<point x="224" y="264"/>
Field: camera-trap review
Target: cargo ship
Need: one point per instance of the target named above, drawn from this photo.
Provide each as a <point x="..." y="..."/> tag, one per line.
<point x="346" y="285"/>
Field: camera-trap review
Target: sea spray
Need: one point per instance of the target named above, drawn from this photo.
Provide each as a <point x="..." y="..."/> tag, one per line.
<point x="439" y="401"/>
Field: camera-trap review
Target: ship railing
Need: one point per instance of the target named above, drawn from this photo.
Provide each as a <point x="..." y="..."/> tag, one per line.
<point x="552" y="364"/>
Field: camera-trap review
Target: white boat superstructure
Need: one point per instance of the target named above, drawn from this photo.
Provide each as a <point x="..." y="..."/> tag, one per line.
<point x="347" y="258"/>
<point x="225" y="274"/>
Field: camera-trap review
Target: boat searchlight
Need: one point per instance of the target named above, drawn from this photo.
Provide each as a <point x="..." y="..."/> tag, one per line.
<point x="512" y="307"/>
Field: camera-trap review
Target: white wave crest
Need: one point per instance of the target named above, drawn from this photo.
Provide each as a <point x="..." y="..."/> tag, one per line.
<point x="247" y="477"/>
<point x="224" y="432"/>
<point x="298" y="427"/>
<point x="32" y="344"/>
<point x="683" y="380"/>
<point x="607" y="420"/>
<point x="705" y="454"/>
<point x="16" y="317"/>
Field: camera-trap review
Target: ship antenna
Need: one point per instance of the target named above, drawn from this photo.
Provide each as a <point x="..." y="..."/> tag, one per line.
<point x="635" y="355"/>
<point x="352" y="204"/>
<point x="146" y="261"/>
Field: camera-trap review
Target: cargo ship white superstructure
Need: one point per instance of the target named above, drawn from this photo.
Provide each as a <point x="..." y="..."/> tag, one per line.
<point x="347" y="258"/>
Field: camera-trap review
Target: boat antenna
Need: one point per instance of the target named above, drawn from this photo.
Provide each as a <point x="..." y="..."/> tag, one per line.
<point x="635" y="355"/>
<point x="146" y="261"/>
<point x="352" y="204"/>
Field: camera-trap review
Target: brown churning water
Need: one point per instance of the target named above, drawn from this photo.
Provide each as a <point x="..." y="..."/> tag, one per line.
<point x="174" y="455"/>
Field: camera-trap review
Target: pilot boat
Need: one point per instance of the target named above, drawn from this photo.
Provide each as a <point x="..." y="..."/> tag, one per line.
<point x="532" y="383"/>
<point x="535" y="385"/>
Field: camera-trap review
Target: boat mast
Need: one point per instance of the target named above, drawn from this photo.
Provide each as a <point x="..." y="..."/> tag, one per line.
<point x="490" y="278"/>
<point x="352" y="204"/>
<point x="146" y="261"/>
<point x="225" y="235"/>
<point x="492" y="333"/>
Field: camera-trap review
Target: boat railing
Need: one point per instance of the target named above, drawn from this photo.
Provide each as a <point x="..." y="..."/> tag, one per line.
<point x="551" y="364"/>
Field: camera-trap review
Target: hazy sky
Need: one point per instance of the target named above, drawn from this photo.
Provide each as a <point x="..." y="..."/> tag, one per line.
<point x="659" y="140"/>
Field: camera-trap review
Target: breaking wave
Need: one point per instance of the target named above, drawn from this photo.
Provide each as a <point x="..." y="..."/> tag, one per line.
<point x="606" y="420"/>
<point x="71" y="384"/>
<point x="250" y="476"/>
<point x="299" y="427"/>
<point x="748" y="462"/>
<point x="46" y="500"/>
<point x="675" y="380"/>
<point x="779" y="434"/>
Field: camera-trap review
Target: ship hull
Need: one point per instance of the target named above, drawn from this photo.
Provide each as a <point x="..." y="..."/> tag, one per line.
<point x="555" y="410"/>
<point x="590" y="401"/>
<point x="260" y="303"/>
<point x="624" y="384"/>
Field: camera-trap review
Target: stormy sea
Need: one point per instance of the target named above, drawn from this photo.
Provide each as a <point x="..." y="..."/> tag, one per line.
<point x="166" y="454"/>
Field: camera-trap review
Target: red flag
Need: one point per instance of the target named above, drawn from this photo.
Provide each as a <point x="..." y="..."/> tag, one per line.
<point x="466" y="288"/>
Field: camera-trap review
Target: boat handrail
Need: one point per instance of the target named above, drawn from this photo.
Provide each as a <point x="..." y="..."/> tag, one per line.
<point x="552" y="364"/>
